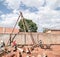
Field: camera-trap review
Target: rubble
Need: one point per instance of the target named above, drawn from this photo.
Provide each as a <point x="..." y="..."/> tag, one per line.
<point x="37" y="52"/>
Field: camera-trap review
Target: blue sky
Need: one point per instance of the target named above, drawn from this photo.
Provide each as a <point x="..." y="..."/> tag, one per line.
<point x="45" y="13"/>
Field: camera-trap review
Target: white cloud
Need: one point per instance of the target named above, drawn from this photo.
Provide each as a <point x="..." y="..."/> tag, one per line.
<point x="13" y="4"/>
<point x="53" y="3"/>
<point x="35" y="3"/>
<point x="45" y="17"/>
<point x="8" y="20"/>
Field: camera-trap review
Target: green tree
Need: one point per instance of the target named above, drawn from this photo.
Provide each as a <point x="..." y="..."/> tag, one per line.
<point x="32" y="27"/>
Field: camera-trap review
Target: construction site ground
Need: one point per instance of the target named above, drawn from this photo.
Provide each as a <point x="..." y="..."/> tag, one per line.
<point x="29" y="51"/>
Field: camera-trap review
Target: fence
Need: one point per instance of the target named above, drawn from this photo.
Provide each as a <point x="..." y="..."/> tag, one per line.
<point x="25" y="38"/>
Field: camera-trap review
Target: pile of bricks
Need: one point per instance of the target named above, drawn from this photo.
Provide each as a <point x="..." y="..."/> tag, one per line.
<point x="29" y="51"/>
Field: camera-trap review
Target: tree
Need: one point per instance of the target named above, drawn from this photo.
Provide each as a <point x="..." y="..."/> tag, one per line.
<point x="46" y="30"/>
<point x="32" y="27"/>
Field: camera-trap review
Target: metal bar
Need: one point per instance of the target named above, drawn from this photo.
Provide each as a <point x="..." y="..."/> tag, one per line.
<point x="25" y="39"/>
<point x="13" y="30"/>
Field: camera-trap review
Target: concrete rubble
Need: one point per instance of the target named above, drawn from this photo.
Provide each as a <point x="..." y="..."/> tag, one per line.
<point x="27" y="52"/>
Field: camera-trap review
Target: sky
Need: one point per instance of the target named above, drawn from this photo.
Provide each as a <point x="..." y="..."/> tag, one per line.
<point x="45" y="13"/>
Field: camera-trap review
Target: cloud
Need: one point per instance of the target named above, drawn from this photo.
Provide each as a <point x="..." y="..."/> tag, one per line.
<point x="35" y="3"/>
<point x="8" y="20"/>
<point x="53" y="4"/>
<point x="12" y="4"/>
<point x="45" y="17"/>
<point x="15" y="4"/>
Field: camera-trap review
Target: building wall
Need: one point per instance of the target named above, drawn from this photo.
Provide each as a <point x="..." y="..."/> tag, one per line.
<point x="25" y="38"/>
<point x="8" y="30"/>
<point x="53" y="31"/>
